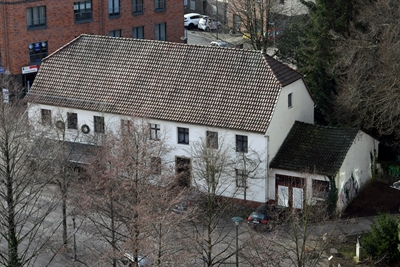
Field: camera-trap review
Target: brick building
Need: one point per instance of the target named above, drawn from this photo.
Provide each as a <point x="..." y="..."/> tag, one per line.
<point x="32" y="29"/>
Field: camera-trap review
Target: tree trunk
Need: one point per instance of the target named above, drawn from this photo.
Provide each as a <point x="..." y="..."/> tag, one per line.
<point x="13" y="259"/>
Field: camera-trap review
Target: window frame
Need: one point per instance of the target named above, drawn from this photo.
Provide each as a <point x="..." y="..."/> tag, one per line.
<point x="160" y="5"/>
<point x="212" y="139"/>
<point x="242" y="143"/>
<point x="41" y="18"/>
<point x="160" y="31"/>
<point x="155" y="165"/>
<point x="126" y="126"/>
<point x="114" y="10"/>
<point x="155" y="131"/>
<point x="37" y="51"/>
<point x="85" y="14"/>
<point x="46" y="117"/>
<point x="183" y="135"/>
<point x="113" y="33"/>
<point x="137" y="7"/>
<point x="98" y="123"/>
<point x="135" y="32"/>
<point x="320" y="189"/>
<point x="72" y="120"/>
<point x="290" y="100"/>
<point x="241" y="178"/>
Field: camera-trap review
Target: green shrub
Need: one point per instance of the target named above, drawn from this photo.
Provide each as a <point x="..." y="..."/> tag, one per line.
<point x="383" y="239"/>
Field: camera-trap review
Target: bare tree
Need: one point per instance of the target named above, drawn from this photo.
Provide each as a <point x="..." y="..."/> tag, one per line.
<point x="69" y="156"/>
<point x="23" y="211"/>
<point x="128" y="194"/>
<point x="305" y="229"/>
<point x="259" y="20"/>
<point x="247" y="165"/>
<point x="367" y="71"/>
<point x="213" y="175"/>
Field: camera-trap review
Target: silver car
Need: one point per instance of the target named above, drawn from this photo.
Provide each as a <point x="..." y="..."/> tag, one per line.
<point x="207" y="24"/>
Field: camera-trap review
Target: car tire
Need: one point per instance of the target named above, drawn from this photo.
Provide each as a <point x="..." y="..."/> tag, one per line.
<point x="207" y="29"/>
<point x="190" y="26"/>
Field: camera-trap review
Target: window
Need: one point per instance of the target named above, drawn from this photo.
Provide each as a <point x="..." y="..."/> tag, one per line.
<point x="290" y="100"/>
<point x="156" y="165"/>
<point x="320" y="188"/>
<point x="83" y="10"/>
<point x="113" y="8"/>
<point x="160" y="32"/>
<point x="116" y="33"/>
<point x="46" y="116"/>
<point x="154" y="131"/>
<point x="37" y="51"/>
<point x="159" y="5"/>
<point x="214" y="9"/>
<point x="212" y="139"/>
<point x="192" y="5"/>
<point x="138" y="32"/>
<point x="36" y="16"/>
<point x="183" y="135"/>
<point x="126" y="126"/>
<point x="241" y="143"/>
<point x="137" y="6"/>
<point x="72" y="120"/>
<point x="98" y="124"/>
<point x="241" y="178"/>
<point x="183" y="171"/>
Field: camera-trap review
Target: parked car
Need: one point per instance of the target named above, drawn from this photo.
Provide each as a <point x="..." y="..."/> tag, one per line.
<point x="220" y="43"/>
<point x="265" y="217"/>
<point x="191" y="20"/>
<point x="207" y="24"/>
<point x="190" y="200"/>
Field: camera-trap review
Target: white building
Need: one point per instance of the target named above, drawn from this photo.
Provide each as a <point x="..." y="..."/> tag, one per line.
<point x="246" y="98"/>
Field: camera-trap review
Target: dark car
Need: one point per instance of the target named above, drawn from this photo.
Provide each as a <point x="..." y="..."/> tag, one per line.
<point x="189" y="201"/>
<point x="265" y="217"/>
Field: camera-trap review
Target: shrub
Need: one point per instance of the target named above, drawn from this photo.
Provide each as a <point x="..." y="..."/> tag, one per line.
<point x="383" y="239"/>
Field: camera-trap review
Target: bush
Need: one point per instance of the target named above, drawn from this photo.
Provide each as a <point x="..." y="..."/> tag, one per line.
<point x="383" y="239"/>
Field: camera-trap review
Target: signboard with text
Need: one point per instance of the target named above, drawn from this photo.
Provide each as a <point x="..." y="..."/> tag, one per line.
<point x="29" y="69"/>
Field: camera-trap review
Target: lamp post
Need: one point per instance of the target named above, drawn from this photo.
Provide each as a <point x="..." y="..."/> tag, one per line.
<point x="74" y="225"/>
<point x="237" y="221"/>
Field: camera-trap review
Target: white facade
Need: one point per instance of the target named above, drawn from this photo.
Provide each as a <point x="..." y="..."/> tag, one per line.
<point x="261" y="145"/>
<point x="302" y="109"/>
<point x="357" y="164"/>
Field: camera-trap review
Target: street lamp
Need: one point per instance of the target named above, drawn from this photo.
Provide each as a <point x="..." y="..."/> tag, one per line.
<point x="74" y="225"/>
<point x="237" y="221"/>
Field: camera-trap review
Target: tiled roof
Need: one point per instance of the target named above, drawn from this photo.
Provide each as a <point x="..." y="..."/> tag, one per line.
<point x="313" y="148"/>
<point x="213" y="86"/>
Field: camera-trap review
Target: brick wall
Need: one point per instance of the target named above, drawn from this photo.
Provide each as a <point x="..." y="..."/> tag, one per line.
<point x="61" y="27"/>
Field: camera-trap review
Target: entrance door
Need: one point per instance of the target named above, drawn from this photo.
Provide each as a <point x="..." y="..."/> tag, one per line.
<point x="283" y="196"/>
<point x="183" y="171"/>
<point x="290" y="191"/>
<point x="298" y="198"/>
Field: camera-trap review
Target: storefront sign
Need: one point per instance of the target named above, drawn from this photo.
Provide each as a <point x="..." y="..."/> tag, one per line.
<point x="29" y="69"/>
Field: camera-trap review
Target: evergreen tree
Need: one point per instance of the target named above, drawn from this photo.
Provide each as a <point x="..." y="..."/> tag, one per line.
<point x="315" y="55"/>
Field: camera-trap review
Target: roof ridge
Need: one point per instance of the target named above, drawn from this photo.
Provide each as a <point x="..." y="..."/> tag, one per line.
<point x="62" y="47"/>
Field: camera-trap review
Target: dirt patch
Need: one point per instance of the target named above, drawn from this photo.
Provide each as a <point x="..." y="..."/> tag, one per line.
<point x="376" y="197"/>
